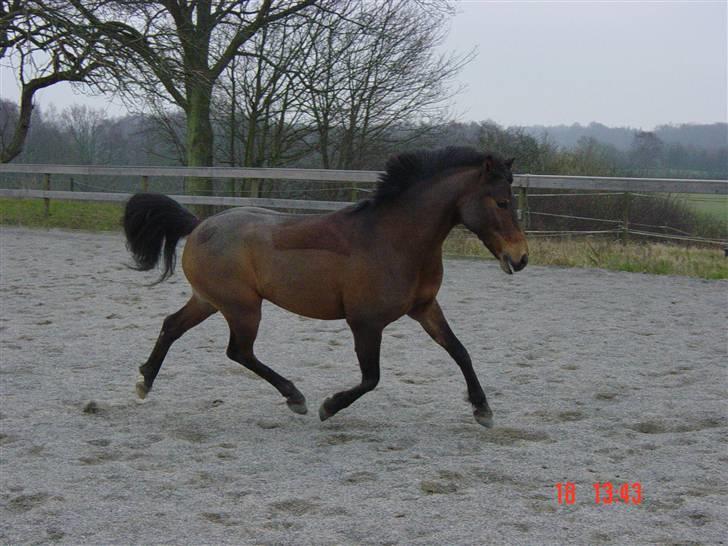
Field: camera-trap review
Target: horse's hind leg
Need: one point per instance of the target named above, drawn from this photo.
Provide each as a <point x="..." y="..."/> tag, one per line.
<point x="243" y="331"/>
<point x="176" y="324"/>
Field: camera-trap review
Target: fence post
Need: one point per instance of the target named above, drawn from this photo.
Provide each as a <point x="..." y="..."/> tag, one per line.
<point x="625" y="218"/>
<point x="145" y="183"/>
<point x="354" y="193"/>
<point x="255" y="187"/>
<point x="46" y="201"/>
<point x="523" y="207"/>
<point x="71" y="184"/>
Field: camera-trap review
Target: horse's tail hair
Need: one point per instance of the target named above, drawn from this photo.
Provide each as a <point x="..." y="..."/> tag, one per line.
<point x="152" y="220"/>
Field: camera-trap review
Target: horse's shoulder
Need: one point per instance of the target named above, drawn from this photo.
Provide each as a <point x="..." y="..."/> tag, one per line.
<point x="312" y="233"/>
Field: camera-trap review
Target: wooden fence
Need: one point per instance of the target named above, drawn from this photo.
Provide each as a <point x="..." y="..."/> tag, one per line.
<point x="357" y="181"/>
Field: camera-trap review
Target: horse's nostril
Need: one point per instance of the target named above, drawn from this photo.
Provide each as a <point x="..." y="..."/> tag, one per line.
<point x="521" y="264"/>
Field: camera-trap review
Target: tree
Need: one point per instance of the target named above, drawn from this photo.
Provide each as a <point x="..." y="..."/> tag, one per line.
<point x="43" y="50"/>
<point x="259" y="99"/>
<point x="178" y="50"/>
<point x="647" y="151"/>
<point x="88" y="129"/>
<point x="372" y="72"/>
<point x="258" y="104"/>
<point x="593" y="157"/>
<point x="511" y="142"/>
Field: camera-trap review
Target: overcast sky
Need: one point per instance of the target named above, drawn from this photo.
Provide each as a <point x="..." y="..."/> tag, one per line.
<point x="637" y="64"/>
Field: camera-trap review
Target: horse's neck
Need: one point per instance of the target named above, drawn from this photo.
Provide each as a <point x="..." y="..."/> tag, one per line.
<point x="422" y="220"/>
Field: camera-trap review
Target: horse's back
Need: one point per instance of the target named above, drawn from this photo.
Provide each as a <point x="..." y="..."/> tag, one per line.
<point x="297" y="262"/>
<point x="218" y="255"/>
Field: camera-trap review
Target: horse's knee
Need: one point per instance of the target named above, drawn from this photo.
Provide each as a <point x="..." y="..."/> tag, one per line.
<point x="171" y="330"/>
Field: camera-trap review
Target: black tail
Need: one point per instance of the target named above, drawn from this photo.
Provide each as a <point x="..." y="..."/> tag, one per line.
<point x="151" y="219"/>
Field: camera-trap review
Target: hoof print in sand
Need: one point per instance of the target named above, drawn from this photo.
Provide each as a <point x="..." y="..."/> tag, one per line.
<point x="337" y="439"/>
<point x="661" y="426"/>
<point x="55" y="535"/>
<point x="25" y="503"/>
<point x="437" y="488"/>
<point x="268" y="425"/>
<point x="91" y="408"/>
<point x="514" y="436"/>
<point x="98" y="458"/>
<point x="570" y="416"/>
<point x="220" y="519"/>
<point x="445" y="483"/>
<point x="293" y="507"/>
<point x="360" y="477"/>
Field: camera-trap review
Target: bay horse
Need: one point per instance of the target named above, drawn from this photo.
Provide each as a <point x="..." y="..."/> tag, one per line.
<point x="370" y="263"/>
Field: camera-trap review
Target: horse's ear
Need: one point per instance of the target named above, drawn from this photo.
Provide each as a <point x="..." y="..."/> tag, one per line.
<point x="489" y="163"/>
<point x="509" y="162"/>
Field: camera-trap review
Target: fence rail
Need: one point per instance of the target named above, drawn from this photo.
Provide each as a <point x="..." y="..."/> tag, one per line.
<point x="541" y="181"/>
<point x="356" y="180"/>
<point x="222" y="200"/>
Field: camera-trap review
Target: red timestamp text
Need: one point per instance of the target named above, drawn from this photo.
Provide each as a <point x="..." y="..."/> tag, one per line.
<point x="603" y="493"/>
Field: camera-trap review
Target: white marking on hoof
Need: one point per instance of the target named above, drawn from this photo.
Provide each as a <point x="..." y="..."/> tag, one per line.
<point x="483" y="417"/>
<point x="141" y="388"/>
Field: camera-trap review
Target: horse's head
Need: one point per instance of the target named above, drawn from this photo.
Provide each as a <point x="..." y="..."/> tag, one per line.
<point x="488" y="209"/>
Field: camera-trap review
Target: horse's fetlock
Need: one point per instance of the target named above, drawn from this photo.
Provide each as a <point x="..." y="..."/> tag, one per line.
<point x="232" y="353"/>
<point x="478" y="400"/>
<point x="288" y="389"/>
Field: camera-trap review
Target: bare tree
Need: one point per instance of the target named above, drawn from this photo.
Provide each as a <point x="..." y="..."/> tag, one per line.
<point x="43" y="50"/>
<point x="167" y="125"/>
<point x="259" y="102"/>
<point x="179" y="49"/>
<point x="373" y="73"/>
<point x="87" y="128"/>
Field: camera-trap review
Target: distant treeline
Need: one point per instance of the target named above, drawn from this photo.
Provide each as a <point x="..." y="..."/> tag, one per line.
<point x="79" y="135"/>
<point x="705" y="136"/>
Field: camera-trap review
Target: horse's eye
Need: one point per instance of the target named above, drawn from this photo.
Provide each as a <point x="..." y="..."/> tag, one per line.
<point x="502" y="204"/>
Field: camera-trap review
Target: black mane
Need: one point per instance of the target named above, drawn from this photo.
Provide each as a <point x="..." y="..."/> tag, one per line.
<point x="406" y="169"/>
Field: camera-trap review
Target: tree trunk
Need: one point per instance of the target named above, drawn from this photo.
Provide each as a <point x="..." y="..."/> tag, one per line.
<point x="199" y="143"/>
<point x="232" y="183"/>
<point x="21" y="129"/>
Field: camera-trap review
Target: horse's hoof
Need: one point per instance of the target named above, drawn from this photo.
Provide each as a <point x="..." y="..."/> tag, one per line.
<point x="483" y="416"/>
<point x="141" y="388"/>
<point x="297" y="405"/>
<point x="323" y="412"/>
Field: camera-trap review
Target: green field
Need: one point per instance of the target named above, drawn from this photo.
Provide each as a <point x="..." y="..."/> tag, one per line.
<point x="63" y="214"/>
<point x="712" y="205"/>
<point x="656" y="258"/>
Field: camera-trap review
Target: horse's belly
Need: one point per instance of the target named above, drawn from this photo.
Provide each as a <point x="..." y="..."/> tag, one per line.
<point x="304" y="284"/>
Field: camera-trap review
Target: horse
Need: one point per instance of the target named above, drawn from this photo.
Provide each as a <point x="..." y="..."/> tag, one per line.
<point x="370" y="263"/>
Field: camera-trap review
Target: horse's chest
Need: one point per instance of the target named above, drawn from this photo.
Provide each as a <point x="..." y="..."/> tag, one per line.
<point x="428" y="282"/>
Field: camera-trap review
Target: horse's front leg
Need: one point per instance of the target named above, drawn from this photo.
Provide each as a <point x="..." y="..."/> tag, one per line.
<point x="433" y="321"/>
<point x="367" y="342"/>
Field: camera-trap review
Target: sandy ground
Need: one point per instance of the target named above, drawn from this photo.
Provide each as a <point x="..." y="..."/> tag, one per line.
<point x="593" y="376"/>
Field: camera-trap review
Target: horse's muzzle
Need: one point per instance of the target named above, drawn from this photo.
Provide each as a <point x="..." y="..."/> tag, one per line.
<point x="509" y="266"/>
